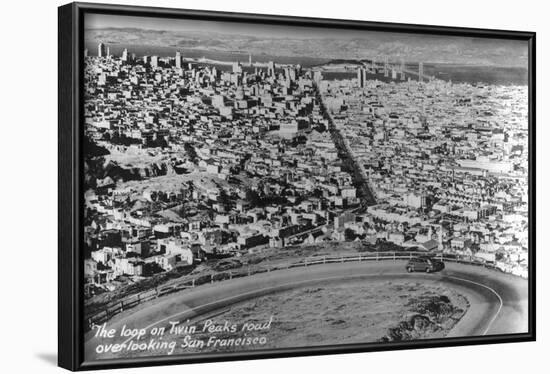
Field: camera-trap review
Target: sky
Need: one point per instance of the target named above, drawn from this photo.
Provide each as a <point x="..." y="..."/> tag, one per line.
<point x="484" y="50"/>
<point x="100" y="21"/>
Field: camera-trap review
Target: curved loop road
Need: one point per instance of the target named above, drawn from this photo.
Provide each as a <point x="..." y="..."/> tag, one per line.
<point x="498" y="301"/>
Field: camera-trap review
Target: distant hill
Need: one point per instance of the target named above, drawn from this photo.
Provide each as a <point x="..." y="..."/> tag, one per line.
<point x="411" y="47"/>
<point x="340" y="61"/>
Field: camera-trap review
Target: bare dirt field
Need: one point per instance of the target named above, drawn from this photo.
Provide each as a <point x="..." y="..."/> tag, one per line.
<point x="349" y="312"/>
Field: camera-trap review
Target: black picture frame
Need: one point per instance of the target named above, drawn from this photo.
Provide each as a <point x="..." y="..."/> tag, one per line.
<point x="70" y="199"/>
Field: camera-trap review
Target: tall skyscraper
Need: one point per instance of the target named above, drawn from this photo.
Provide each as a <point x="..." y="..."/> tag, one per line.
<point x="250" y="59"/>
<point x="361" y="77"/>
<point x="317" y="76"/>
<point x="386" y="67"/>
<point x="101" y="50"/>
<point x="214" y="74"/>
<point x="237" y="68"/>
<point x="108" y="53"/>
<point x="124" y="56"/>
<point x="178" y="60"/>
<point x="154" y="61"/>
<point x="293" y="74"/>
<point x="420" y="71"/>
<point x="86" y="52"/>
<point x="271" y="68"/>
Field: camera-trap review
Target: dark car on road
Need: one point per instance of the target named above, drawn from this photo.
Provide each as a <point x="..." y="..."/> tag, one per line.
<point x="424" y="264"/>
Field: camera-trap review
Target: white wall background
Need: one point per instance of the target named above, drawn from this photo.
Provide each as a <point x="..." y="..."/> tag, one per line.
<point x="28" y="183"/>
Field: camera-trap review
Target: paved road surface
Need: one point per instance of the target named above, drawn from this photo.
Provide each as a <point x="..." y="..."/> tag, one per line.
<point x="498" y="302"/>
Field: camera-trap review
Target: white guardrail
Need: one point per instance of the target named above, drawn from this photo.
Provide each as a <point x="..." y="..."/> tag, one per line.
<point x="129" y="302"/>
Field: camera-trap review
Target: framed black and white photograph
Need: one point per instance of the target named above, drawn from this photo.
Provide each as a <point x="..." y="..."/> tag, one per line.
<point x="242" y="186"/>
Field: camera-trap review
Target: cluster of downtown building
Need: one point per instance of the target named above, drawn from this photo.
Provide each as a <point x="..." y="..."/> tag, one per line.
<point x="241" y="157"/>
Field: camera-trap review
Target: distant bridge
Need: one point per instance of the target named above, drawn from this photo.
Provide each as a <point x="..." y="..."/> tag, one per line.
<point x="399" y="68"/>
